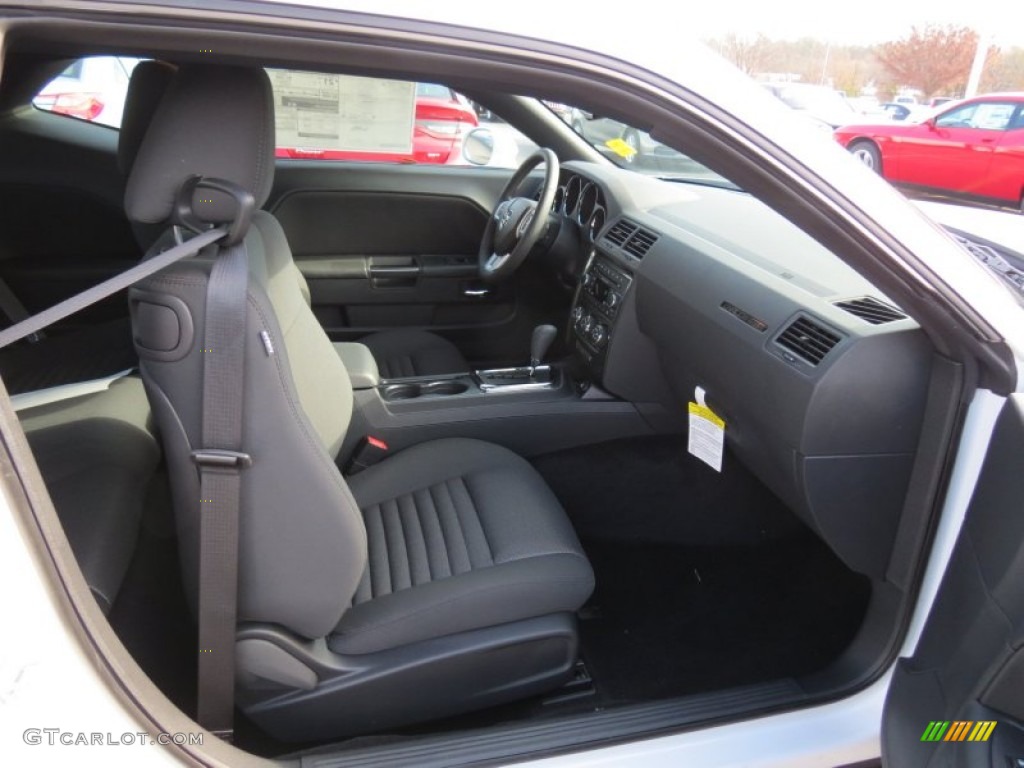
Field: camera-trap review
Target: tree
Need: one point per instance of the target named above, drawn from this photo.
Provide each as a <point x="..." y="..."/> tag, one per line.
<point x="932" y="58"/>
<point x="750" y="55"/>
<point x="1006" y="73"/>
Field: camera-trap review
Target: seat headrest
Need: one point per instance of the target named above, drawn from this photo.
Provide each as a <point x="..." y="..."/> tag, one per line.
<point x="147" y="86"/>
<point x="215" y="121"/>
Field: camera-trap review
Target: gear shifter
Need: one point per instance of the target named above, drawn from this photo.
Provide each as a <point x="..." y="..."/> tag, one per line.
<point x="543" y="335"/>
<point x="532" y="376"/>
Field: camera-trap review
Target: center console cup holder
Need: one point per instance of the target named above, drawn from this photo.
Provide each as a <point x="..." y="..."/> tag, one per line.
<point x="411" y="390"/>
<point x="449" y="387"/>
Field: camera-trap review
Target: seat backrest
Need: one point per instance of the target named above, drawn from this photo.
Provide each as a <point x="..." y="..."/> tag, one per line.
<point x="302" y="544"/>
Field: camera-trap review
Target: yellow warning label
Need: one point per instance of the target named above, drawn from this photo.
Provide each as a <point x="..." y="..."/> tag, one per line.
<point x="620" y="148"/>
<point x="703" y="412"/>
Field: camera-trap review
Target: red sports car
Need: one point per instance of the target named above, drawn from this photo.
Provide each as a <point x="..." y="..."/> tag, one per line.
<point x="973" y="148"/>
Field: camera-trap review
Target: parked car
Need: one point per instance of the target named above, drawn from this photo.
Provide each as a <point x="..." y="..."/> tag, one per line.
<point x="624" y="144"/>
<point x="565" y="465"/>
<point x="974" y="148"/>
<point x="90" y="88"/>
<point x="817" y="101"/>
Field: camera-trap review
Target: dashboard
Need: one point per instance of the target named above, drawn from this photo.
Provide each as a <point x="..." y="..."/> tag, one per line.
<point x="820" y="378"/>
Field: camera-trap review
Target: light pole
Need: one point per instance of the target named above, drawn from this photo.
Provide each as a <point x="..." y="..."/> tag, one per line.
<point x="978" y="65"/>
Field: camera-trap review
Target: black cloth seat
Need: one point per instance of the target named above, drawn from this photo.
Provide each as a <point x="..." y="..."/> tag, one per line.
<point x="461" y="534"/>
<point x="404" y="353"/>
<point x="97" y="457"/>
<point x="444" y="578"/>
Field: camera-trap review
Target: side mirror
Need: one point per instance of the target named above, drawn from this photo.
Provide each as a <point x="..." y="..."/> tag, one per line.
<point x="478" y="146"/>
<point x="930" y="122"/>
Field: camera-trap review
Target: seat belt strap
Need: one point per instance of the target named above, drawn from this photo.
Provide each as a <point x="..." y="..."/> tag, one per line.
<point x="117" y="283"/>
<point x="220" y="463"/>
<point x="13" y="309"/>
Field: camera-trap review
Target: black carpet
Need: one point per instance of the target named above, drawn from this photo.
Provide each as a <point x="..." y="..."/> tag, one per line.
<point x="667" y="620"/>
<point x="704" y="580"/>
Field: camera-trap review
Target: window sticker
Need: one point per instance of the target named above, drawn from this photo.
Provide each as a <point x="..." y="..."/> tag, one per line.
<point x="319" y="111"/>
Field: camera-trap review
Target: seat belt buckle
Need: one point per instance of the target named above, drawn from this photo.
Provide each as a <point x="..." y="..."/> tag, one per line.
<point x="369" y="451"/>
<point x="215" y="458"/>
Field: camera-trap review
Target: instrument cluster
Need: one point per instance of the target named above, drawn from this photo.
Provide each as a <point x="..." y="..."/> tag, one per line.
<point x="582" y="202"/>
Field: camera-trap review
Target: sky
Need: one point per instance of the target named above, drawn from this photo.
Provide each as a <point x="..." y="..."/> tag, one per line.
<point x="862" y="22"/>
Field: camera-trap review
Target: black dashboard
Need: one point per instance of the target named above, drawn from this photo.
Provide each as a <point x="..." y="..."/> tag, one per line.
<point x="820" y="379"/>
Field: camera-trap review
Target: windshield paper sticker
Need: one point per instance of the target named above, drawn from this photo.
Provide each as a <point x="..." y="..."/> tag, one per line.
<point x="707" y="432"/>
<point x="342" y="112"/>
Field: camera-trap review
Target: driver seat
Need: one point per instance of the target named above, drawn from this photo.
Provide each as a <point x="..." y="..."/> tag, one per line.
<point x="442" y="579"/>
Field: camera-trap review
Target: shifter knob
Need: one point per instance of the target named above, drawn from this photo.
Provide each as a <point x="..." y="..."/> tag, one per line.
<point x="543" y="335"/>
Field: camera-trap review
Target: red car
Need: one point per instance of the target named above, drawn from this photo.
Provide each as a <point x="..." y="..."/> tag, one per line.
<point x="442" y="118"/>
<point x="974" y="148"/>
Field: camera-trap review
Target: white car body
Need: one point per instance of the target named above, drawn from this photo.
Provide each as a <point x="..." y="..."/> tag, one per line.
<point x="48" y="680"/>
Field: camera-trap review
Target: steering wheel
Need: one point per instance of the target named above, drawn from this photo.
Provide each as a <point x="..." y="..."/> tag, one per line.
<point x="515" y="226"/>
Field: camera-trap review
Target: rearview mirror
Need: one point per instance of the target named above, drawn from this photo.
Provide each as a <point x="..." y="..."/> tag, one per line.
<point x="478" y="146"/>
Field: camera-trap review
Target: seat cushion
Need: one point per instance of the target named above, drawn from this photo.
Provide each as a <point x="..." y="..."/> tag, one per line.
<point x="462" y="534"/>
<point x="97" y="457"/>
<point x="404" y="353"/>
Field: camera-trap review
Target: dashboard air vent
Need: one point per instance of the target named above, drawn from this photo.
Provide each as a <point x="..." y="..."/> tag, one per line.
<point x="871" y="310"/>
<point x="640" y="243"/>
<point x="620" y="232"/>
<point x="807" y="339"/>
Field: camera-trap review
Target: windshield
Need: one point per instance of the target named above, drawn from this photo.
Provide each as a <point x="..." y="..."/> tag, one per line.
<point x="629" y="147"/>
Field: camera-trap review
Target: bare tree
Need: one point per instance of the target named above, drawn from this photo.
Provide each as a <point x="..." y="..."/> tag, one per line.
<point x="1006" y="73"/>
<point x="749" y="54"/>
<point x="932" y="58"/>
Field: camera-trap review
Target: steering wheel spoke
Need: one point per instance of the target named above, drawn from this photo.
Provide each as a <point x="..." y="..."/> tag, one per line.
<point x="495" y="262"/>
<point x="514" y="227"/>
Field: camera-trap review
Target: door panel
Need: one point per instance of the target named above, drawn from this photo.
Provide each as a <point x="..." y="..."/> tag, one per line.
<point x="387" y="246"/>
<point x="969" y="664"/>
<point x="950" y="158"/>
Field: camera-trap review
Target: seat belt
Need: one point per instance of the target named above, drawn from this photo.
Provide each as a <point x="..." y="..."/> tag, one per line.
<point x="220" y="460"/>
<point x="13" y="309"/>
<point x="100" y="291"/>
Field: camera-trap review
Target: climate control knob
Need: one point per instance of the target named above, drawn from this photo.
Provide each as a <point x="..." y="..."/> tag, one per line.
<point x="611" y="300"/>
<point x="586" y="324"/>
<point x="599" y="335"/>
<point x="577" y="315"/>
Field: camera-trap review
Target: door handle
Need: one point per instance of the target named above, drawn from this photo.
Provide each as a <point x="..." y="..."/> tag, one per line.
<point x="477" y="293"/>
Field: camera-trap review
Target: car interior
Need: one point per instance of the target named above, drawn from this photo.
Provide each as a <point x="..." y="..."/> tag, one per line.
<point x="471" y="395"/>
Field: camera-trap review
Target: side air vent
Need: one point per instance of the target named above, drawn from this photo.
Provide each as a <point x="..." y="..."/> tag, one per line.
<point x="640" y="243"/>
<point x="871" y="310"/>
<point x="620" y="232"/>
<point x="806" y="338"/>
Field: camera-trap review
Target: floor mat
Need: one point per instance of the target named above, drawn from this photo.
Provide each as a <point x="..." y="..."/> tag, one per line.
<point x="667" y="620"/>
<point x="705" y="580"/>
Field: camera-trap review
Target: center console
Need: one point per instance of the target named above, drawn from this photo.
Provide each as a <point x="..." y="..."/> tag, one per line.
<point x="599" y="298"/>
